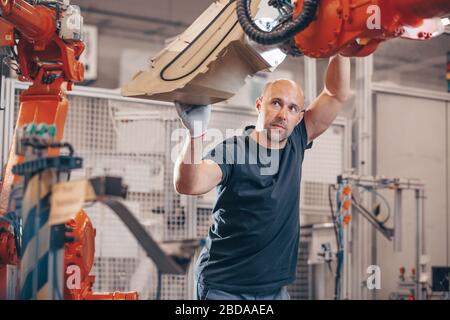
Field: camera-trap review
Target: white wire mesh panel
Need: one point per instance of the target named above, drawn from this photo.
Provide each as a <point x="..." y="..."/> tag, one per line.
<point x="204" y="220"/>
<point x="322" y="164"/>
<point x="174" y="287"/>
<point x="113" y="239"/>
<point x="325" y="159"/>
<point x="113" y="274"/>
<point x="300" y="289"/>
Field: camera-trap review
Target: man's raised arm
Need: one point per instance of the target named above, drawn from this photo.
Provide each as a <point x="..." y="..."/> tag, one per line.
<point x="325" y="108"/>
<point x="192" y="175"/>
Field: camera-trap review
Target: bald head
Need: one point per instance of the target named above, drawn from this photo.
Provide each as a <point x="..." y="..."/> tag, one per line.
<point x="285" y="83"/>
<point x="280" y="108"/>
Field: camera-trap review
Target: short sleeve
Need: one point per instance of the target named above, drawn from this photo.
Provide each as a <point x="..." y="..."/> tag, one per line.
<point x="303" y="135"/>
<point x="223" y="155"/>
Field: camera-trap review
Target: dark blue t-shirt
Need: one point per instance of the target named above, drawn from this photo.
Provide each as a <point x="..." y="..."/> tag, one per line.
<point x="252" y="245"/>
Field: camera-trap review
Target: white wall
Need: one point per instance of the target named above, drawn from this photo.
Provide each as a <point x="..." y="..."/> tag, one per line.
<point x="111" y="53"/>
<point x="412" y="135"/>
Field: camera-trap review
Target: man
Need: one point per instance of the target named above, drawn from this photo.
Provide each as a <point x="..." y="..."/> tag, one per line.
<point x="251" y="249"/>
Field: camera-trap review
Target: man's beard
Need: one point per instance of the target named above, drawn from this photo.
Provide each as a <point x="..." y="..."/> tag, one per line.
<point x="275" y="135"/>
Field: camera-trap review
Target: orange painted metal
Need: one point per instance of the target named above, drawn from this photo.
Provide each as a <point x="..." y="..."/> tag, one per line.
<point x="114" y="296"/>
<point x="80" y="253"/>
<point x="35" y="23"/>
<point x="8" y="253"/>
<point x="57" y="50"/>
<point x="341" y="26"/>
<point x="6" y="34"/>
<point x="39" y="104"/>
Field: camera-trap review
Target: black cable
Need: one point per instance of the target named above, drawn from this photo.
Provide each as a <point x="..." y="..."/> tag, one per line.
<point x="58" y="15"/>
<point x="381" y="223"/>
<point x="276" y="3"/>
<point x="10" y="60"/>
<point x="285" y="31"/>
<point x="339" y="255"/>
<point x="333" y="217"/>
<point x="371" y="190"/>
<point x="40" y="146"/>
<point x="69" y="147"/>
<point x="340" y="251"/>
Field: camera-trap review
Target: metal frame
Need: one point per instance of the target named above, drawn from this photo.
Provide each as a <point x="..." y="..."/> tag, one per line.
<point x="6" y="119"/>
<point x="399" y="185"/>
<point x="448" y="181"/>
<point x="366" y="91"/>
<point x="6" y="135"/>
<point x="361" y="237"/>
<point x="310" y="77"/>
<point x="409" y="91"/>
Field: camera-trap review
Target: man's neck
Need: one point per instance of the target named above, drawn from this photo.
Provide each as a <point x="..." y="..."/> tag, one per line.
<point x="261" y="138"/>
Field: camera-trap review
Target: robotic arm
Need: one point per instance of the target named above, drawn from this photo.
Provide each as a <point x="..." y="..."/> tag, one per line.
<point x="43" y="43"/>
<point x="48" y="39"/>
<point x="42" y="40"/>
<point x="320" y="29"/>
<point x="210" y="61"/>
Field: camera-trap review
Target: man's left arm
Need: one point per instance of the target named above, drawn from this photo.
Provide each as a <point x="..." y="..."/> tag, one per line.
<point x="325" y="108"/>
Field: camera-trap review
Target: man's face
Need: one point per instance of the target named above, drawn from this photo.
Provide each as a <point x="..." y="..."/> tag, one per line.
<point x="280" y="109"/>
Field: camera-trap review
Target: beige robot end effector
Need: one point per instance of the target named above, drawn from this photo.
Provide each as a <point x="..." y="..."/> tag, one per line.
<point x="207" y="63"/>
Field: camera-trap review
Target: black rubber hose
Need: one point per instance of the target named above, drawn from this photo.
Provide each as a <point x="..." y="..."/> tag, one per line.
<point x="333" y="216"/>
<point x="281" y="34"/>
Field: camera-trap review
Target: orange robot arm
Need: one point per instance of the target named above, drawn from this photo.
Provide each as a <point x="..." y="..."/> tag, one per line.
<point x="324" y="28"/>
<point x="48" y="57"/>
<point x="39" y="40"/>
<point x="356" y="28"/>
<point x="48" y="41"/>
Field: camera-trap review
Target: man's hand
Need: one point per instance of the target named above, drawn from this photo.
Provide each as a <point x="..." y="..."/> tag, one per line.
<point x="195" y="118"/>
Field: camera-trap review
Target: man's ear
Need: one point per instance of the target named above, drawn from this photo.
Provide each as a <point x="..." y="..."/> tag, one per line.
<point x="300" y="120"/>
<point x="258" y="104"/>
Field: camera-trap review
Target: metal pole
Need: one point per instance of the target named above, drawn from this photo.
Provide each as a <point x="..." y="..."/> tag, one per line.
<point x="7" y="121"/>
<point x="420" y="247"/>
<point x="3" y="107"/>
<point x="169" y="197"/>
<point x="364" y="117"/>
<point x="310" y="87"/>
<point x="310" y="78"/>
<point x="398" y="220"/>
